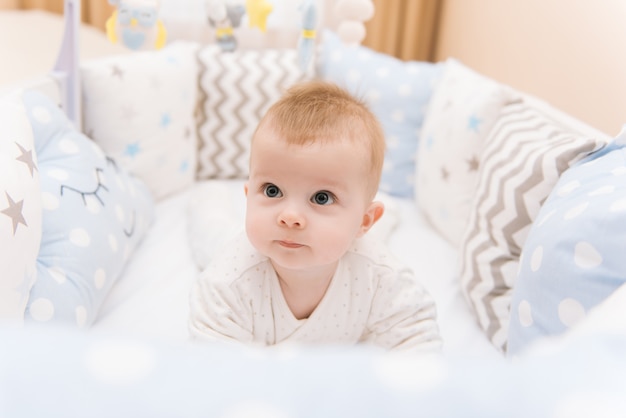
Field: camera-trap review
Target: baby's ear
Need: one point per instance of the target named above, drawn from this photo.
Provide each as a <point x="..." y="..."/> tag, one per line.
<point x="245" y="188"/>
<point x="373" y="213"/>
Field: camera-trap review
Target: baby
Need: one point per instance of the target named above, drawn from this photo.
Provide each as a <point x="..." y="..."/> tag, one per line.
<point x="304" y="272"/>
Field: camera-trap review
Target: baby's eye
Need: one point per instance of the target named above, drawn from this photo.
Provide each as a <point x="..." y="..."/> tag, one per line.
<point x="272" y="191"/>
<point x="323" y="198"/>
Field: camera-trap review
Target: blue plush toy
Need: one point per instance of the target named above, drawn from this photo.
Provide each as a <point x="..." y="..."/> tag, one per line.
<point x="306" y="43"/>
<point x="224" y="18"/>
<point x="136" y="24"/>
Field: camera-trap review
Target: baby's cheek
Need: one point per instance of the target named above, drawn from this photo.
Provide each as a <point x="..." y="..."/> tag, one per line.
<point x="338" y="238"/>
<point x="253" y="237"/>
<point x="256" y="228"/>
<point x="252" y="224"/>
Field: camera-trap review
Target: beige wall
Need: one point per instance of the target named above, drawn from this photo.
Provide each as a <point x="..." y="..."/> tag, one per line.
<point x="94" y="12"/>
<point x="571" y="53"/>
<point x="8" y="4"/>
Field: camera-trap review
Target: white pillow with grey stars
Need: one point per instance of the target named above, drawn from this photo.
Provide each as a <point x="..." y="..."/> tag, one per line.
<point x="462" y="110"/>
<point x="20" y="210"/>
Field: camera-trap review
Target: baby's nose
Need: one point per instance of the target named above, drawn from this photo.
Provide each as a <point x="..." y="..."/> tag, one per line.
<point x="291" y="218"/>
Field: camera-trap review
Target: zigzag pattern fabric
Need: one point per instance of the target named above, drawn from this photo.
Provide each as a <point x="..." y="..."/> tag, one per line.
<point x="522" y="159"/>
<point x="236" y="89"/>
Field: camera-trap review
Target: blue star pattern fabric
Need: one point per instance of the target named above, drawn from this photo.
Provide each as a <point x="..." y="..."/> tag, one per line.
<point x="140" y="109"/>
<point x="397" y="92"/>
<point x="573" y="258"/>
<point x="94" y="215"/>
<point x="461" y="113"/>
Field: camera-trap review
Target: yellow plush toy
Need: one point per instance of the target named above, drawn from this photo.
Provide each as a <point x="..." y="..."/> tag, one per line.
<point x="136" y="24"/>
<point x="257" y="11"/>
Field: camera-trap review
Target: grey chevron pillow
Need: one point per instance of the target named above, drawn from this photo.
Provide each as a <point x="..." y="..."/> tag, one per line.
<point x="236" y="89"/>
<point x="523" y="157"/>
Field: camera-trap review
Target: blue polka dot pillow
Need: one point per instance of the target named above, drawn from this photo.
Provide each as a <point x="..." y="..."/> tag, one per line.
<point x="397" y="92"/>
<point x="574" y="255"/>
<point x="94" y="214"/>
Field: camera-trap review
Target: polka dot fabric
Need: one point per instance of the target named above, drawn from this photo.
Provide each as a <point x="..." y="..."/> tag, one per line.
<point x="93" y="215"/>
<point x="573" y="258"/>
<point x="397" y="92"/>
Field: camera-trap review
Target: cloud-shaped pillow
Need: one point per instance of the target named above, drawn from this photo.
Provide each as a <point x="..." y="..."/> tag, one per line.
<point x="94" y="215"/>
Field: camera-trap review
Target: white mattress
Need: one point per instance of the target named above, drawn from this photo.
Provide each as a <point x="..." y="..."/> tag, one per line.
<point x="151" y="297"/>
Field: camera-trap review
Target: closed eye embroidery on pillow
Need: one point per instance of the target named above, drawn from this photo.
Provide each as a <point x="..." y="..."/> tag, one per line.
<point x="94" y="193"/>
<point x="128" y="231"/>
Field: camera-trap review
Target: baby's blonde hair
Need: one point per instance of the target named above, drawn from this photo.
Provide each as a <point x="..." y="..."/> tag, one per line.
<point x="321" y="111"/>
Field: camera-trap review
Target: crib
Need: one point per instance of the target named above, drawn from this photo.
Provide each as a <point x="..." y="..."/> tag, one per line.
<point x="137" y="168"/>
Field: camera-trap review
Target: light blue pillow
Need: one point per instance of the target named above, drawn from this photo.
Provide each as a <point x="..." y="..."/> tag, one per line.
<point x="397" y="92"/>
<point x="574" y="255"/>
<point x="94" y="215"/>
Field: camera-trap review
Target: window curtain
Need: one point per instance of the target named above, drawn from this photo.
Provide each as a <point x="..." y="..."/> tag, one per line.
<point x="405" y="29"/>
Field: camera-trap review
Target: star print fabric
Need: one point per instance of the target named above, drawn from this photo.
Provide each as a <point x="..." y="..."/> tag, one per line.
<point x="461" y="112"/>
<point x="140" y="109"/>
<point x="20" y="210"/>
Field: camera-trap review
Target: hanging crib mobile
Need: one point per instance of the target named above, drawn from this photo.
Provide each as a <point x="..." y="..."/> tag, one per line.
<point x="224" y="17"/>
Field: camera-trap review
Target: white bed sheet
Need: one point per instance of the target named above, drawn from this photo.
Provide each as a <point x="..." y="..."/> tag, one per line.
<point x="151" y="297"/>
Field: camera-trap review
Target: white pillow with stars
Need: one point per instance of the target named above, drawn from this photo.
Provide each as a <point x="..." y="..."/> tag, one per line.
<point x="397" y="92"/>
<point x="462" y="111"/>
<point x="20" y="210"/>
<point x="140" y="109"/>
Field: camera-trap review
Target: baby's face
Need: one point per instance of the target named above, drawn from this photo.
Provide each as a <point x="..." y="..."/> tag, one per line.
<point x="305" y="203"/>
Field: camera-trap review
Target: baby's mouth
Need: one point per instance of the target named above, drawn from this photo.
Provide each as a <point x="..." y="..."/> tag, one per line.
<point x="289" y="244"/>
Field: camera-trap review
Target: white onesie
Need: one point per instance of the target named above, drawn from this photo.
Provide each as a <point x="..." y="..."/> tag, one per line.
<point x="372" y="298"/>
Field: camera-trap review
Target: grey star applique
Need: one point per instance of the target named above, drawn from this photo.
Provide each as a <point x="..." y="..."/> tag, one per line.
<point x="445" y="174"/>
<point x="117" y="72"/>
<point x="27" y="158"/>
<point x="14" y="211"/>
<point x="128" y="112"/>
<point x="473" y="164"/>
